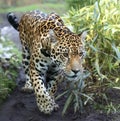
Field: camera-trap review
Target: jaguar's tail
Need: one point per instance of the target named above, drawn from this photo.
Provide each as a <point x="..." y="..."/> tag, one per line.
<point x="13" y="20"/>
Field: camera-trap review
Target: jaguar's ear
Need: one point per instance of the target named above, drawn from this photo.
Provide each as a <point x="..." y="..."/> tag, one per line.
<point x="83" y="36"/>
<point x="52" y="35"/>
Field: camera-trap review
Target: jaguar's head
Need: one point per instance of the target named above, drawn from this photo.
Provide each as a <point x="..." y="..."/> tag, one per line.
<point x="69" y="53"/>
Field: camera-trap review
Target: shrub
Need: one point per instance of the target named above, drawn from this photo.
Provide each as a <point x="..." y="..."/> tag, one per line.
<point x="102" y="22"/>
<point x="76" y="4"/>
<point x="10" y="58"/>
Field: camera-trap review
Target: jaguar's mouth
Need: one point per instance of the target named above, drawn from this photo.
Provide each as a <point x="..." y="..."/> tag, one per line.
<point x="74" y="76"/>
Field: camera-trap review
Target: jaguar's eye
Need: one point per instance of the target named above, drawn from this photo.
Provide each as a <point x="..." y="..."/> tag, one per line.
<point x="81" y="54"/>
<point x="65" y="54"/>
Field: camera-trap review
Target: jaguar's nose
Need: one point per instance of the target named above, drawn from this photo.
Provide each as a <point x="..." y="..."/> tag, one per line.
<point x="75" y="71"/>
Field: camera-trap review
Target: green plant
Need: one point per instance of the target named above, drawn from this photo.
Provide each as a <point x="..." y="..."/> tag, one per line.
<point x="109" y="108"/>
<point x="6" y="85"/>
<point x="75" y="94"/>
<point x="101" y="21"/>
<point x="76" y="4"/>
<point x="9" y="50"/>
<point x="10" y="59"/>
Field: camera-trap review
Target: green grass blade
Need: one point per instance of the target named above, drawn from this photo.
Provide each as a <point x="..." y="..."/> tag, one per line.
<point x="67" y="103"/>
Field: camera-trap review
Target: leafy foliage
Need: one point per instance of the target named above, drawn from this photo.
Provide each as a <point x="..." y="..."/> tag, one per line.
<point x="10" y="58"/>
<point x="102" y="22"/>
<point x="75" y="94"/>
<point x="76" y="4"/>
<point x="6" y="83"/>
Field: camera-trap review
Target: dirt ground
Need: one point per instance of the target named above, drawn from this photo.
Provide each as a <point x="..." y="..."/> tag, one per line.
<point x="21" y="106"/>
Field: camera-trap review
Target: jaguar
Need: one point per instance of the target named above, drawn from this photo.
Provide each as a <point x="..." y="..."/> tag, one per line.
<point x="49" y="49"/>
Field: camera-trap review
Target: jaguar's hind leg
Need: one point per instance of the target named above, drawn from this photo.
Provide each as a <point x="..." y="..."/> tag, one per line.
<point x="26" y="61"/>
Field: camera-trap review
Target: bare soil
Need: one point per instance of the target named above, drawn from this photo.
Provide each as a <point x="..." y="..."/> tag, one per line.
<point x="21" y="106"/>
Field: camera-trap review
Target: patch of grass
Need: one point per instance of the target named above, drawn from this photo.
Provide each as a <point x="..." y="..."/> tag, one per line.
<point x="45" y="7"/>
<point x="109" y="108"/>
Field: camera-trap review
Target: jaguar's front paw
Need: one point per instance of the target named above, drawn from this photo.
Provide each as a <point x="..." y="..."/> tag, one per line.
<point x="48" y="107"/>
